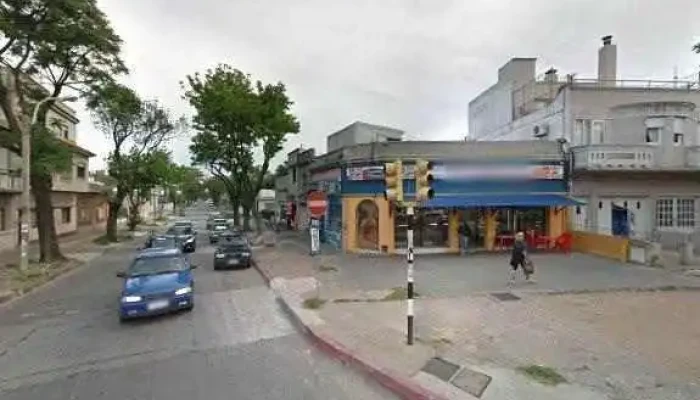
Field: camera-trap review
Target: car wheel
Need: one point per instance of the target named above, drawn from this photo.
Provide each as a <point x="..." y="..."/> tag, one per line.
<point x="190" y="307"/>
<point x="123" y="319"/>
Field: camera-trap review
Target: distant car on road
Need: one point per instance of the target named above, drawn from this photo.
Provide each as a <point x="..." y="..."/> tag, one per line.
<point x="185" y="236"/>
<point x="184" y="223"/>
<point x="234" y="254"/>
<point x="216" y="232"/>
<point x="158" y="281"/>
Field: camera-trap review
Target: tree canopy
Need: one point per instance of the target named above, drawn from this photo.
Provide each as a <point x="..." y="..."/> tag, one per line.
<point x="236" y="119"/>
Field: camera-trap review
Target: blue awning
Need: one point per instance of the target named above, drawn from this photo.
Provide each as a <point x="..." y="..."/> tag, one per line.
<point x="500" y="200"/>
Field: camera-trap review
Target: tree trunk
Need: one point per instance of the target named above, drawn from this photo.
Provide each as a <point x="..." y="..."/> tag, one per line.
<point x="112" y="221"/>
<point x="236" y="208"/>
<point x="246" y="218"/>
<point x="134" y="218"/>
<point x="49" y="249"/>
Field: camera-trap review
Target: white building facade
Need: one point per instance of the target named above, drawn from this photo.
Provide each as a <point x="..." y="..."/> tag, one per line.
<point x="634" y="145"/>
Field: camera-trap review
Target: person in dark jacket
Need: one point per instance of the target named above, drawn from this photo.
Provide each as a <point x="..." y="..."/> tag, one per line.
<point x="518" y="257"/>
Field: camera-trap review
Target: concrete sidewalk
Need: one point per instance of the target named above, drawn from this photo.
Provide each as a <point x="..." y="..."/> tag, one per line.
<point x="606" y="345"/>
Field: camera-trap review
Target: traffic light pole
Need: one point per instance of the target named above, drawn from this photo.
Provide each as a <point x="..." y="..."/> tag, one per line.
<point x="409" y="274"/>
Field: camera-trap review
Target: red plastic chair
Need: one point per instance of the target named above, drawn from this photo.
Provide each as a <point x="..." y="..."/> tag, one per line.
<point x="564" y="242"/>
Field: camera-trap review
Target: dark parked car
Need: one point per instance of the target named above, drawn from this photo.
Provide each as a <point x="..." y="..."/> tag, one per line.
<point x="216" y="233"/>
<point x="185" y="236"/>
<point x="234" y="254"/>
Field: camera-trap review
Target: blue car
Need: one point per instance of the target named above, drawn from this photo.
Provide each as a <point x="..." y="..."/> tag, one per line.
<point x="157" y="282"/>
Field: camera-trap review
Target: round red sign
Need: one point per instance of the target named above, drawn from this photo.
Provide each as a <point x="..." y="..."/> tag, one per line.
<point x="317" y="203"/>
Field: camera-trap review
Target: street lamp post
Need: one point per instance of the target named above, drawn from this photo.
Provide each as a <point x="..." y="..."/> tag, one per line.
<point x="26" y="179"/>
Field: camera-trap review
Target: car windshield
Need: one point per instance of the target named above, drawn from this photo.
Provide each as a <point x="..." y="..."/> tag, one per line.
<point x="156" y="265"/>
<point x="220" y="228"/>
<point x="179" y="230"/>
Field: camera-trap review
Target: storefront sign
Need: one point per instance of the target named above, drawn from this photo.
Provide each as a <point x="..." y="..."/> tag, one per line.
<point x="368" y="173"/>
<point x="472" y="172"/>
<point x="465" y="172"/>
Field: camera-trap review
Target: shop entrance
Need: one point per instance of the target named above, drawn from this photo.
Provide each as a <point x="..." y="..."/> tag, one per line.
<point x="431" y="229"/>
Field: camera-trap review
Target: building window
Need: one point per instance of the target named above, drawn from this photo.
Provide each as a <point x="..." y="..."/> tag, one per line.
<point x="294" y="175"/>
<point x="582" y="132"/>
<point x="653" y="135"/>
<point x="3" y="221"/>
<point x="65" y="215"/>
<point x="81" y="172"/>
<point x="664" y="213"/>
<point x="678" y="139"/>
<point x="685" y="213"/>
<point x="675" y="213"/>
<point x="598" y="132"/>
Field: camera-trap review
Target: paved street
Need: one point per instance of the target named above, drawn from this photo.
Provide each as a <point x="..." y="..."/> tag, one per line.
<point x="65" y="342"/>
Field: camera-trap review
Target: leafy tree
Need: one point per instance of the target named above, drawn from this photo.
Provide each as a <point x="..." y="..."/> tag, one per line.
<point x="47" y="47"/>
<point x="696" y="48"/>
<point x="188" y="180"/>
<point x="237" y="118"/>
<point x="140" y="174"/>
<point x="135" y="128"/>
<point x="215" y="187"/>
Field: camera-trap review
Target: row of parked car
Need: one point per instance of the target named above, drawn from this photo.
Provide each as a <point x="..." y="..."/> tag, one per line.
<point x="161" y="279"/>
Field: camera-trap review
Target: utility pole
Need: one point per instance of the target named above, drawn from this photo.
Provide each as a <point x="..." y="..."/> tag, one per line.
<point x="409" y="273"/>
<point x="26" y="180"/>
<point x="423" y="176"/>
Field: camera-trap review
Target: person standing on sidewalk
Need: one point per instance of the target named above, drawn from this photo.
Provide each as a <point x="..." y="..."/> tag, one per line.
<point x="518" y="258"/>
<point x="464" y="234"/>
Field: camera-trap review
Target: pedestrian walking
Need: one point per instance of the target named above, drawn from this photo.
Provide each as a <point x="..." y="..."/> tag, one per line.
<point x="464" y="234"/>
<point x="519" y="259"/>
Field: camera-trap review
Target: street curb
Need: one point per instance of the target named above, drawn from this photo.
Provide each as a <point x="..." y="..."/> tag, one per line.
<point x="399" y="386"/>
<point x="8" y="301"/>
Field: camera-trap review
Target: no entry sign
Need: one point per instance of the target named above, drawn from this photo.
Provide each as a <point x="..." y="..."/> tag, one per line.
<point x="317" y="203"/>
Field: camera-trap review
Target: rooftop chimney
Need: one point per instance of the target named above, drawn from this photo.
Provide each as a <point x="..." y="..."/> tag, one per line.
<point x="607" y="62"/>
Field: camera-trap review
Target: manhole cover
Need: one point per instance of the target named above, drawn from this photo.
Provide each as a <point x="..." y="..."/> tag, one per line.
<point x="505" y="296"/>
<point x="440" y="368"/>
<point x="472" y="382"/>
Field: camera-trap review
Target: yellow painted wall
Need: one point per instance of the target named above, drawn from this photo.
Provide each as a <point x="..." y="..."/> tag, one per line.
<point x="557" y="218"/>
<point x="453" y="231"/>
<point x="490" y="224"/>
<point x="386" y="223"/>
<point x="603" y="245"/>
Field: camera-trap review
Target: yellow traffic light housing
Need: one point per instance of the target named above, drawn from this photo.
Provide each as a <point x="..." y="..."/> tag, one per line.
<point x="423" y="173"/>
<point x="393" y="181"/>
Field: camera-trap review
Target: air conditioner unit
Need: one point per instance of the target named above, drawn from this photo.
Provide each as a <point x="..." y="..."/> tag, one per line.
<point x="540" y="130"/>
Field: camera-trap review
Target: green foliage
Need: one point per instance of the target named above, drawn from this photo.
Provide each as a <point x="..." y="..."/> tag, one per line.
<point x="49" y="153"/>
<point x="696" y="48"/>
<point x="216" y="189"/>
<point x="237" y="118"/>
<point x="188" y="180"/>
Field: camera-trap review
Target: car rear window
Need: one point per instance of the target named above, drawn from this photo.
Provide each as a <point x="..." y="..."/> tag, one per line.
<point x="232" y="248"/>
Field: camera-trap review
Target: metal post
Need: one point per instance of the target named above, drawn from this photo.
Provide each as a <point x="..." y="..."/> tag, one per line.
<point x="26" y="196"/>
<point x="409" y="274"/>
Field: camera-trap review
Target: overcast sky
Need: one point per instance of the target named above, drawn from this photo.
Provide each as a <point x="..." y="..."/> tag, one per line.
<point x="409" y="64"/>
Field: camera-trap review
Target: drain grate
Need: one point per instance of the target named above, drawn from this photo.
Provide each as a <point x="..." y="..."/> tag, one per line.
<point x="471" y="381"/>
<point x="505" y="296"/>
<point x="444" y="370"/>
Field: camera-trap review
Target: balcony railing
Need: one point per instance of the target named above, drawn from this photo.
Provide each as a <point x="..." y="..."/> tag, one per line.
<point x="10" y="180"/>
<point x="612" y="156"/>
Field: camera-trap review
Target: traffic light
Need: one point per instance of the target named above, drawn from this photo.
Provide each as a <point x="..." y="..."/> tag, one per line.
<point x="393" y="181"/>
<point x="423" y="172"/>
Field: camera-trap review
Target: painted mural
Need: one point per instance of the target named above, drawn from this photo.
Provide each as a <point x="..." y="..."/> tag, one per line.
<point x="367" y="225"/>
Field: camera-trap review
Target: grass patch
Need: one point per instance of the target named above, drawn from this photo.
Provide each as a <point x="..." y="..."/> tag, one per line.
<point x="314" y="303"/>
<point x="398" y="293"/>
<point x="544" y="375"/>
<point x="327" y="268"/>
